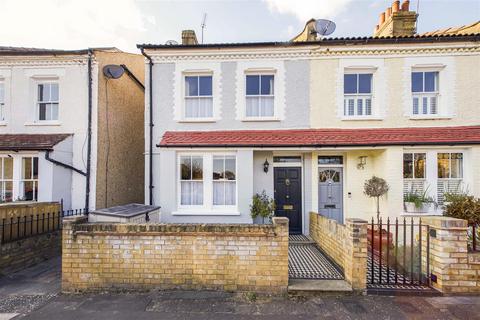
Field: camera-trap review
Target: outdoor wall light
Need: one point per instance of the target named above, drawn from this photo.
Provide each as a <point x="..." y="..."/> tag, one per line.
<point x="265" y="166"/>
<point x="362" y="161"/>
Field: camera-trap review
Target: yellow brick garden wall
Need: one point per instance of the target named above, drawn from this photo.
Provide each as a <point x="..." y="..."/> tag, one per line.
<point x="455" y="270"/>
<point x="345" y="244"/>
<point x="175" y="256"/>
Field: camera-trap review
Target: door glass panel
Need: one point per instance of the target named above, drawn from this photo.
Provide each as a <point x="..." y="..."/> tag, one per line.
<point x="330" y="160"/>
<point x="287" y="159"/>
<point x="329" y="175"/>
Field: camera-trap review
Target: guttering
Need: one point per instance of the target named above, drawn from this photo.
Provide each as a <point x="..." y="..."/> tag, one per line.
<point x="89" y="132"/>
<point x="64" y="165"/>
<point x="150" y="102"/>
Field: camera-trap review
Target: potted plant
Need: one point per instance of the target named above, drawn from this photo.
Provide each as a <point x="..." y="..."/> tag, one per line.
<point x="262" y="207"/>
<point x="418" y="202"/>
<point x="376" y="187"/>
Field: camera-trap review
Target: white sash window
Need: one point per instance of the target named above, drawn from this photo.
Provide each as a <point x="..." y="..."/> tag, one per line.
<point x="357" y="89"/>
<point x="6" y="179"/>
<point x="198" y="97"/>
<point x="47" y="101"/>
<point x="425" y="93"/>
<point x="260" y="96"/>
<point x="224" y="181"/>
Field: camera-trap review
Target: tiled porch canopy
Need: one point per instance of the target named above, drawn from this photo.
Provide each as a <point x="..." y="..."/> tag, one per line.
<point x="323" y="137"/>
<point x="30" y="142"/>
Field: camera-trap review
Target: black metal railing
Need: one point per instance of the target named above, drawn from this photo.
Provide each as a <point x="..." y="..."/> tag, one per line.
<point x="399" y="252"/>
<point x="22" y="227"/>
<point x="473" y="237"/>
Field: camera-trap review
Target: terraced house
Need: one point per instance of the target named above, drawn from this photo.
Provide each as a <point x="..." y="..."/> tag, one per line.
<point x="63" y="124"/>
<point x="309" y="120"/>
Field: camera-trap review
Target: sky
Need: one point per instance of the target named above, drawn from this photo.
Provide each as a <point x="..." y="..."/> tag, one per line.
<point x="76" y="24"/>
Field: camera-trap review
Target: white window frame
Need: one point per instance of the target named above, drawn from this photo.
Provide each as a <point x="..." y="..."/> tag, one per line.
<point x="199" y="97"/>
<point x="260" y="95"/>
<point x="358" y="96"/>
<point x="37" y="102"/>
<point x="426" y="95"/>
<point x="18" y="173"/>
<point x="35" y="182"/>
<point x="4" y="180"/>
<point x="183" y="68"/>
<point x="207" y="208"/>
<point x="272" y="67"/>
<point x="379" y="87"/>
<point x="414" y="180"/>
<point x="445" y="66"/>
<point x="225" y="181"/>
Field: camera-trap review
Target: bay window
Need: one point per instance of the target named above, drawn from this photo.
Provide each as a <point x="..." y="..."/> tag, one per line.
<point x="357" y="89"/>
<point x="47" y="101"/>
<point x="191" y="180"/>
<point x="224" y="180"/>
<point x="450" y="174"/>
<point x="259" y="95"/>
<point x="198" y="97"/>
<point x="207" y="182"/>
<point x="29" y="182"/>
<point x="425" y="93"/>
<point x="414" y="172"/>
<point x="6" y="179"/>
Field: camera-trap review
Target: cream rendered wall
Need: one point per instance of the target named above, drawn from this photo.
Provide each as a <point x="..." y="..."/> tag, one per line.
<point x="459" y="77"/>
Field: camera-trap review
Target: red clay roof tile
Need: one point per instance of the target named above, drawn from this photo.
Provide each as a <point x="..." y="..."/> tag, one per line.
<point x="323" y="137"/>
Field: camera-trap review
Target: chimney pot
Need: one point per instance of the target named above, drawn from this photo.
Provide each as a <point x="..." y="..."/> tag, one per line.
<point x="396" y="6"/>
<point x="406" y="5"/>
<point x="388" y="13"/>
<point x="189" y="37"/>
<point x="381" y="20"/>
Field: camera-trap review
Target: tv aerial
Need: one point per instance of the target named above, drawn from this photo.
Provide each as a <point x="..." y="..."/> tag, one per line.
<point x="323" y="27"/>
<point x="204" y="24"/>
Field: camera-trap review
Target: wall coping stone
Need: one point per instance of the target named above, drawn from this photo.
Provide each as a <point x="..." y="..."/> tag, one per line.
<point x="442" y="222"/>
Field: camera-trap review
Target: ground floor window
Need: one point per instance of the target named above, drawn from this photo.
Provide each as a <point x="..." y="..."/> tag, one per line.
<point x="433" y="173"/>
<point x="6" y="179"/>
<point x="18" y="178"/>
<point x="207" y="181"/>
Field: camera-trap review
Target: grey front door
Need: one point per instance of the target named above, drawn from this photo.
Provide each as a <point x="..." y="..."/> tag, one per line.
<point x="330" y="193"/>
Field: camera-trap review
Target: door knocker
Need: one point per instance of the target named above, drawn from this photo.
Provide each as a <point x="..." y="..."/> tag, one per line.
<point x="287" y="182"/>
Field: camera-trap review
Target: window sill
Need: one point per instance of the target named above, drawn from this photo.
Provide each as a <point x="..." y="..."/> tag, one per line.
<point x="3" y="123"/>
<point x="260" y="119"/>
<point x="43" y="123"/>
<point x="362" y="118"/>
<point x="204" y="212"/>
<point x="198" y="120"/>
<point x="429" y="117"/>
<point x="422" y="214"/>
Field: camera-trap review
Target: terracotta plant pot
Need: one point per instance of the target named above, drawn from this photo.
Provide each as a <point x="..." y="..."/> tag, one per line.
<point x="384" y="238"/>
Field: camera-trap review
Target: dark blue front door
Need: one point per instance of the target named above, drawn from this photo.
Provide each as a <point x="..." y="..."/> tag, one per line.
<point x="288" y="196"/>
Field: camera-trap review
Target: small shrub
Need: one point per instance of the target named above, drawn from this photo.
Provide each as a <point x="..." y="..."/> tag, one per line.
<point x="251" y="296"/>
<point x="419" y="198"/>
<point x="463" y="207"/>
<point x="262" y="206"/>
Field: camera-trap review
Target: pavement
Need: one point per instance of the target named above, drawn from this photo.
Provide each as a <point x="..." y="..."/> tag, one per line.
<point x="35" y="294"/>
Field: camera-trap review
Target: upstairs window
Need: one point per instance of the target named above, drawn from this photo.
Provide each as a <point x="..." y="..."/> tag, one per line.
<point x="198" y="97"/>
<point x="191" y="180"/>
<point x="29" y="182"/>
<point x="47" y="101"/>
<point x="224" y="181"/>
<point x="425" y="93"/>
<point x="6" y="179"/>
<point x="2" y="101"/>
<point x="260" y="96"/>
<point x="357" y="94"/>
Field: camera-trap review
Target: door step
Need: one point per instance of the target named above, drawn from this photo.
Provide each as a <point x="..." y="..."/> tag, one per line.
<point x="308" y="287"/>
<point x="299" y="239"/>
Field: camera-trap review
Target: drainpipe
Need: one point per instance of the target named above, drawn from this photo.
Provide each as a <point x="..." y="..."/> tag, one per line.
<point x="89" y="133"/>
<point x="150" y="101"/>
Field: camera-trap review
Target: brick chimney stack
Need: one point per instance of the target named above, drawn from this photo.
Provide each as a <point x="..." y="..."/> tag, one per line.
<point x="189" y="37"/>
<point x="397" y="21"/>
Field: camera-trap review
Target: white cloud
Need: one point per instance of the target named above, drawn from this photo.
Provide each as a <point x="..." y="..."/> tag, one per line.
<point x="307" y="9"/>
<point x="71" y="24"/>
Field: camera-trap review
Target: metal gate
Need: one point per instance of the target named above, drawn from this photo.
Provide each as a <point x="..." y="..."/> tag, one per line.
<point x="399" y="257"/>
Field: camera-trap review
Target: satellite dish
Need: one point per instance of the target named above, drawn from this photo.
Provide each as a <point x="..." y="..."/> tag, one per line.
<point x="171" y="43"/>
<point x="113" y="71"/>
<point x="324" y="27"/>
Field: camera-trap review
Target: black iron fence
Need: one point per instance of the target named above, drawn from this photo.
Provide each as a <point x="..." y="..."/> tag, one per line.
<point x="473" y="237"/>
<point x="22" y="227"/>
<point x="399" y="253"/>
